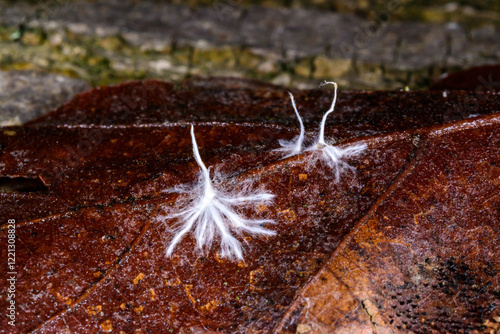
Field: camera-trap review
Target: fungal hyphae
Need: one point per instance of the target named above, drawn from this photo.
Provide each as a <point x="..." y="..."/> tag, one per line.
<point x="293" y="146"/>
<point x="213" y="214"/>
<point x="332" y="155"/>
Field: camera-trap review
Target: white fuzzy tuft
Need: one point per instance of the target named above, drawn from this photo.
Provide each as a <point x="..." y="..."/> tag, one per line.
<point x="294" y="146"/>
<point x="333" y="155"/>
<point x="214" y="216"/>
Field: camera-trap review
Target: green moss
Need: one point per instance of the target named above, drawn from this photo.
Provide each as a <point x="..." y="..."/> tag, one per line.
<point x="224" y="57"/>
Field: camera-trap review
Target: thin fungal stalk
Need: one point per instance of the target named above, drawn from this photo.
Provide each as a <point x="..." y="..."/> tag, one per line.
<point x="321" y="137"/>
<point x="333" y="155"/>
<point x="214" y="215"/>
<point x="293" y="146"/>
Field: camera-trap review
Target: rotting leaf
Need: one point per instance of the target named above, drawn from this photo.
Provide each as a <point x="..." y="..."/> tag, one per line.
<point x="426" y="256"/>
<point x="407" y="242"/>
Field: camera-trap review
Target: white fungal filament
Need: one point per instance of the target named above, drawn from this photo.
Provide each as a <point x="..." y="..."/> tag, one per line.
<point x="330" y="154"/>
<point x="294" y="146"/>
<point x="213" y="215"/>
<point x="333" y="155"/>
<point x="321" y="137"/>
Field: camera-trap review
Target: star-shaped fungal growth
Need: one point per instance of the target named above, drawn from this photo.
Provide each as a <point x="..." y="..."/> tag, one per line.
<point x="332" y="155"/>
<point x="214" y="215"/>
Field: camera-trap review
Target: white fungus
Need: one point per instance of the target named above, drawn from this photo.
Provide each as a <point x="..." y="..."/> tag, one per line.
<point x="293" y="146"/>
<point x="332" y="155"/>
<point x="214" y="215"/>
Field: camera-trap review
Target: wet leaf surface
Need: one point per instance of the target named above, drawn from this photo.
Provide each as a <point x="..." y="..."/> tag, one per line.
<point x="479" y="78"/>
<point x="409" y="241"/>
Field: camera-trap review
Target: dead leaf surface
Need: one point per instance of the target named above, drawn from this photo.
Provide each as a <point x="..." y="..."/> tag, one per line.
<point x="409" y="242"/>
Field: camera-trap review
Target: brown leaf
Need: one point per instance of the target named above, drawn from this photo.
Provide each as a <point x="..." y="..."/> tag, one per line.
<point x="479" y="78"/>
<point x="408" y="242"/>
<point x="425" y="257"/>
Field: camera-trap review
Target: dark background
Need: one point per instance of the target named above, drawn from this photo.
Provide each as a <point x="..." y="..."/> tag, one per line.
<point x="361" y="44"/>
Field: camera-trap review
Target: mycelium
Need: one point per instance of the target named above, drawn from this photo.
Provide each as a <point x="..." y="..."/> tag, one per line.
<point x="294" y="146"/>
<point x="213" y="214"/>
<point x="333" y="156"/>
